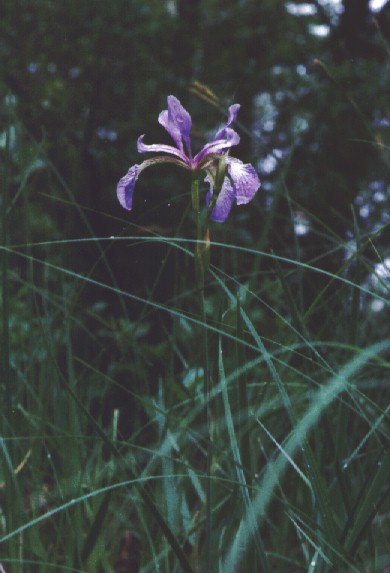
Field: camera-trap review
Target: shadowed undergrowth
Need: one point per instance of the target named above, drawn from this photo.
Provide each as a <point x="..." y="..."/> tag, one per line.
<point x="104" y="449"/>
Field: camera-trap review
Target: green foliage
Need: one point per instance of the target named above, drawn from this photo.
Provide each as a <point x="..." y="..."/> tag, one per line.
<point x="107" y="460"/>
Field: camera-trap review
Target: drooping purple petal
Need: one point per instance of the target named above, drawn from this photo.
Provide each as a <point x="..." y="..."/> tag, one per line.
<point x="160" y="148"/>
<point x="217" y="146"/>
<point x="232" y="116"/>
<point x="224" y="201"/>
<point x="125" y="187"/>
<point x="244" y="178"/>
<point x="177" y="121"/>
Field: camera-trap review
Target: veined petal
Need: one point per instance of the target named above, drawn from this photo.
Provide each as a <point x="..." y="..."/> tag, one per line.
<point x="232" y="116"/>
<point x="217" y="146"/>
<point x="244" y="178"/>
<point x="224" y="201"/>
<point x="177" y="121"/>
<point x="125" y="187"/>
<point x="160" y="148"/>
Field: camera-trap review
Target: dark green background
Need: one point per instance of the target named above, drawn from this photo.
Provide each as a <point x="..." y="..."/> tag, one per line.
<point x="89" y="77"/>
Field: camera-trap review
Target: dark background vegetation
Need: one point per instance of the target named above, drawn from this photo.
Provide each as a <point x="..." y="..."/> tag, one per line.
<point x="89" y="77"/>
<point x="80" y="81"/>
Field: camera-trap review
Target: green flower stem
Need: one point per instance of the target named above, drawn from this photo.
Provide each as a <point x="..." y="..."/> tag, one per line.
<point x="201" y="250"/>
<point x="201" y="264"/>
<point x="202" y="260"/>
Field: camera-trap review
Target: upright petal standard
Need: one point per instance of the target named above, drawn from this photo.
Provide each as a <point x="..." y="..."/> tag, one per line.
<point x="240" y="182"/>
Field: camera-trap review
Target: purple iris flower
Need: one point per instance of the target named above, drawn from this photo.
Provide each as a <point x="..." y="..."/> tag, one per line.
<point x="240" y="181"/>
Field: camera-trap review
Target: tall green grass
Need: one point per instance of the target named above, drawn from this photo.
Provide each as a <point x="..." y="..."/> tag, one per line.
<point x="299" y="419"/>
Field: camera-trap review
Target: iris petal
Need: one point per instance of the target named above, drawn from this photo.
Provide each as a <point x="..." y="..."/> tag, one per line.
<point x="217" y="146"/>
<point x="245" y="180"/>
<point x="160" y="148"/>
<point x="177" y="121"/>
<point x="224" y="201"/>
<point x="125" y="187"/>
<point x="232" y="116"/>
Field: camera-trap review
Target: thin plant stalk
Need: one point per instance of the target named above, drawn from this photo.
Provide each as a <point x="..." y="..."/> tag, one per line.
<point x="5" y="453"/>
<point x="5" y="362"/>
<point x="201" y="264"/>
